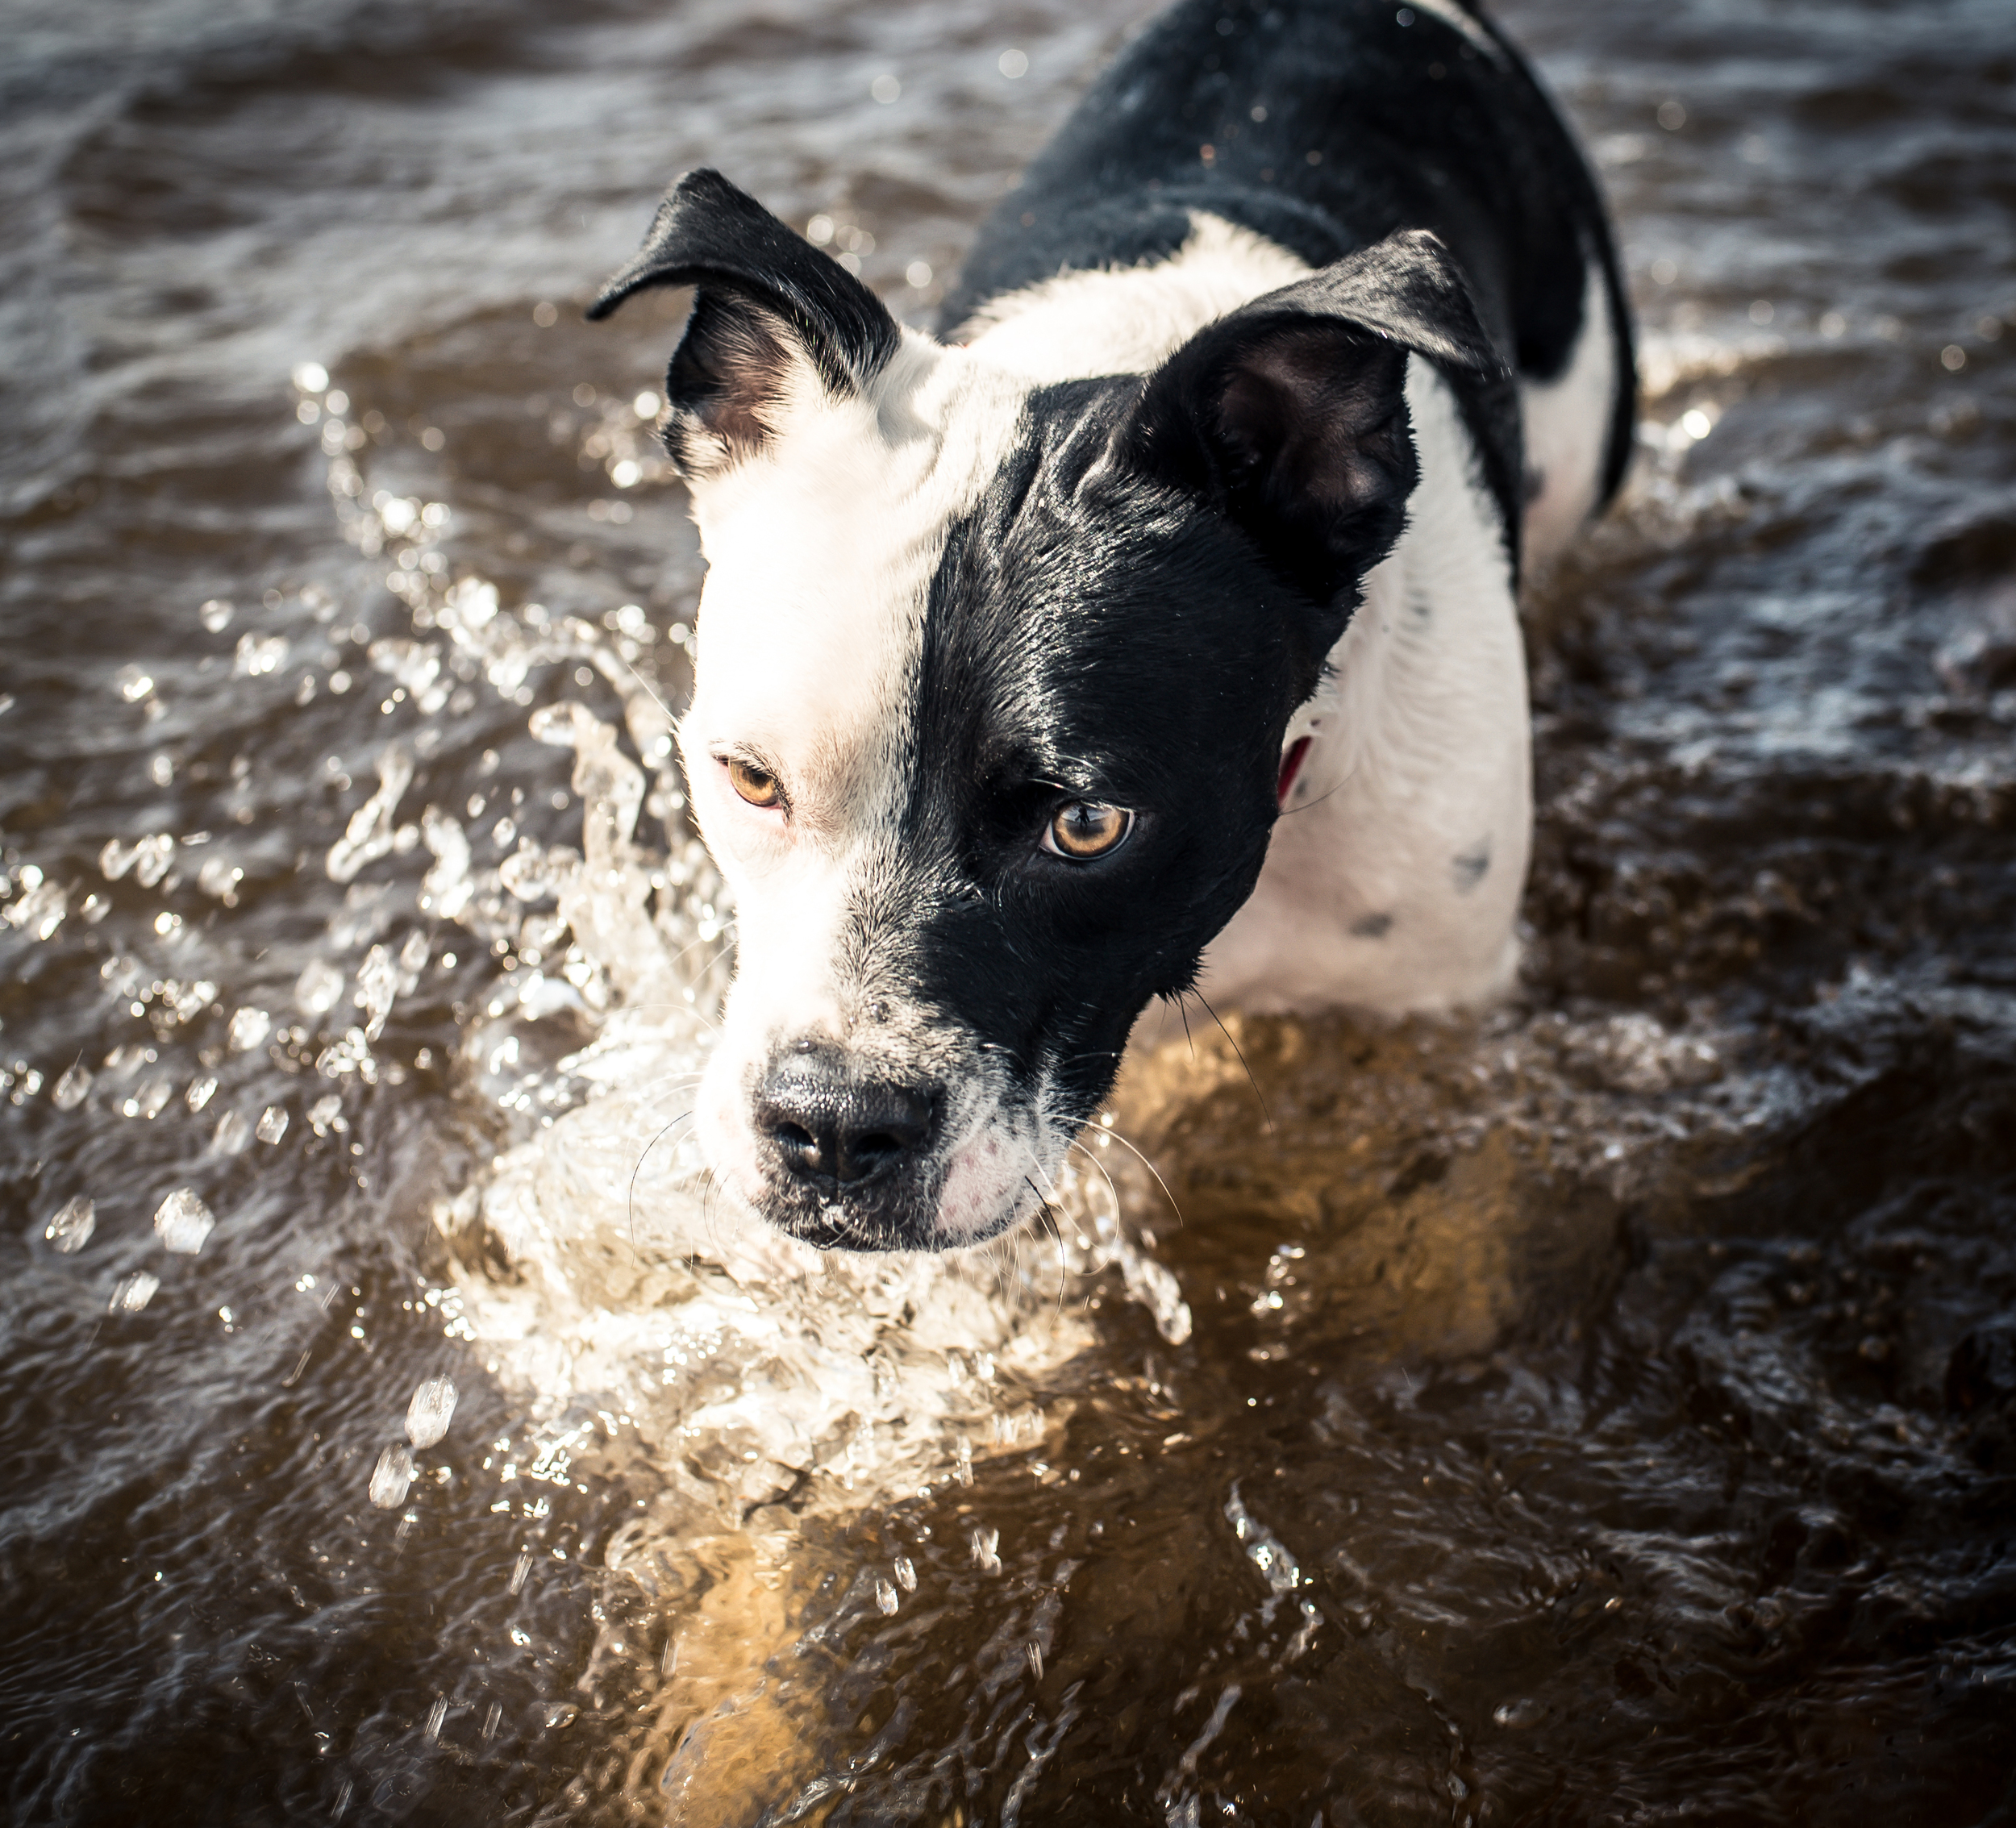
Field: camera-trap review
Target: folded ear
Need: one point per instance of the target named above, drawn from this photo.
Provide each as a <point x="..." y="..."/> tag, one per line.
<point x="766" y="304"/>
<point x="1289" y="415"/>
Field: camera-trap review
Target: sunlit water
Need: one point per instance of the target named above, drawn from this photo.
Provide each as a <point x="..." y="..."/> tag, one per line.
<point x="1599" y="1411"/>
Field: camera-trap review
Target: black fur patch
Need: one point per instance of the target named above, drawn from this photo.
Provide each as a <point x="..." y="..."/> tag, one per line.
<point x="1090" y="633"/>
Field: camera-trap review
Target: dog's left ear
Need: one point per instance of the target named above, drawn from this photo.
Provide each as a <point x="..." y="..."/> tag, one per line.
<point x="767" y="306"/>
<point x="1289" y="415"/>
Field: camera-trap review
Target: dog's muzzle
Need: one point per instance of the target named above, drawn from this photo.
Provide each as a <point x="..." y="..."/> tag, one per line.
<point x="837" y="1128"/>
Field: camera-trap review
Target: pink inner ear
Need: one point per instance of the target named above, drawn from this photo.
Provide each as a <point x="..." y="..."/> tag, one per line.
<point x="1291" y="766"/>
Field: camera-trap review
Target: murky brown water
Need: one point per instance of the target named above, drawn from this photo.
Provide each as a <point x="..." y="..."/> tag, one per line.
<point x="1603" y="1412"/>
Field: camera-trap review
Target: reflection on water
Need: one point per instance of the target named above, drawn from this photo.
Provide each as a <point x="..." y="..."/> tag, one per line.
<point x="1603" y="1409"/>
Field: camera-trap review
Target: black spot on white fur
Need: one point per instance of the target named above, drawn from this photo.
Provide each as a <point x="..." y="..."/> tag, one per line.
<point x="1469" y="868"/>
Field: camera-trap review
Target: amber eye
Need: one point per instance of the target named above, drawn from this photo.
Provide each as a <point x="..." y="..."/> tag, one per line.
<point x="755" y="786"/>
<point x="1087" y="828"/>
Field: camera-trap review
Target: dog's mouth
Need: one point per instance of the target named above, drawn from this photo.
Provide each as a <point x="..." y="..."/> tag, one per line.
<point x="937" y="1203"/>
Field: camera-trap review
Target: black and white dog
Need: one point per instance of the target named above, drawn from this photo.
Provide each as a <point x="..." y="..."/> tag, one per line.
<point x="1016" y="647"/>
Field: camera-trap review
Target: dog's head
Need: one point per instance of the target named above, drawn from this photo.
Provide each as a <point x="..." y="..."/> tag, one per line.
<point x="992" y="685"/>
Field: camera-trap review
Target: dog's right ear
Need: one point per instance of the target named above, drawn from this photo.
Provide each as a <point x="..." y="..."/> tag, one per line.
<point x="768" y="307"/>
<point x="1289" y="415"/>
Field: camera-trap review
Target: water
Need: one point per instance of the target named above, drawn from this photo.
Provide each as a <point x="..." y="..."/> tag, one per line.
<point x="1599" y="1411"/>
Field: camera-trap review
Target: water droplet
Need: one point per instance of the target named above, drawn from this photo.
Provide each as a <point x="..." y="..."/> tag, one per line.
<point x="986" y="1542"/>
<point x="70" y="1088"/>
<point x="134" y="1292"/>
<point x="41" y="910"/>
<point x="183" y="1222"/>
<point x="522" y="1572"/>
<point x="377" y="985"/>
<point x="220" y="877"/>
<point x="70" y="1231"/>
<point x="216" y="615"/>
<point x="885" y="90"/>
<point x="885" y="1599"/>
<point x="154" y="1094"/>
<point x="233" y="1134"/>
<point x="427" y="1416"/>
<point x="437" y="1718"/>
<point x="558" y="1715"/>
<point x="273" y="1124"/>
<point x="1012" y="64"/>
<point x="905" y="1574"/>
<point x="370" y="832"/>
<point x="491" y="1719"/>
<point x="1522" y="1713"/>
<point x="256" y="655"/>
<point x="201" y="1089"/>
<point x="317" y="988"/>
<point x="392" y="1476"/>
<point x="248" y="1028"/>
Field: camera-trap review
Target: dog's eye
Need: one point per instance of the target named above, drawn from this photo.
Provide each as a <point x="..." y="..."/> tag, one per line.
<point x="755" y="786"/>
<point x="1087" y="828"/>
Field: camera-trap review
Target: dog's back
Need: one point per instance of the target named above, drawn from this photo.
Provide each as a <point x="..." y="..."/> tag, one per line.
<point x="1324" y="126"/>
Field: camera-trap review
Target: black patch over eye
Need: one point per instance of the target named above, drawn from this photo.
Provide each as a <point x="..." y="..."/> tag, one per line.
<point x="1082" y="829"/>
<point x="753" y="784"/>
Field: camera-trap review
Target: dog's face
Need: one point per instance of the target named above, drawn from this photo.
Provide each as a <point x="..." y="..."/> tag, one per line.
<point x="991" y="686"/>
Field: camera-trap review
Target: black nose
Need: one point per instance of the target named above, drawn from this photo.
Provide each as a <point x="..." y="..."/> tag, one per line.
<point x="826" y="1124"/>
